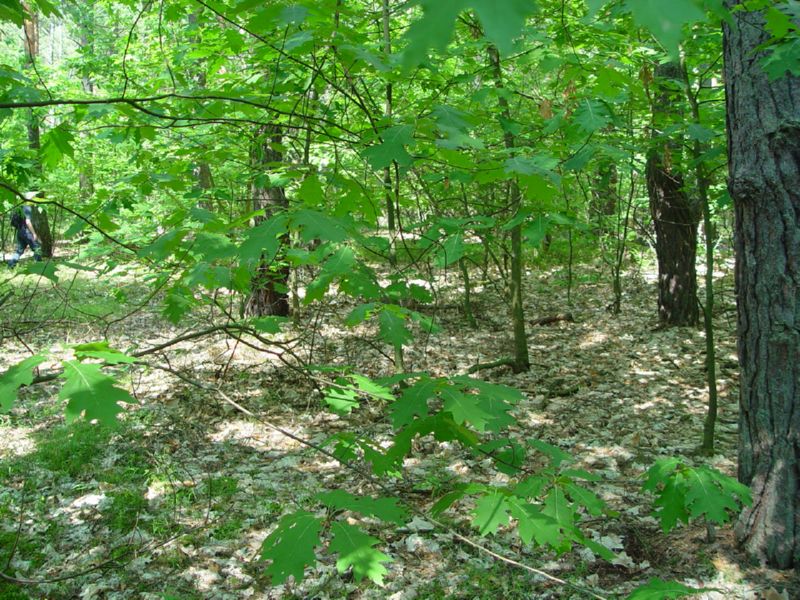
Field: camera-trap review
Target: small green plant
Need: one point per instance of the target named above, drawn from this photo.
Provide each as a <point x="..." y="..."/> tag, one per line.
<point x="292" y="545"/>
<point x="684" y="493"/>
<point x="125" y="510"/>
<point x="227" y="530"/>
<point x="71" y="449"/>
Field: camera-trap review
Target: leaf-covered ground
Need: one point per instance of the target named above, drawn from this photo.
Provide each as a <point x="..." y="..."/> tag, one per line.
<point x="176" y="502"/>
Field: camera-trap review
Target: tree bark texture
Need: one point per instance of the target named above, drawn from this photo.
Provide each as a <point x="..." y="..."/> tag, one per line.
<point x="31" y="34"/>
<point x="675" y="215"/>
<point x="763" y="123"/>
<point x="41" y="225"/>
<point x="269" y="286"/>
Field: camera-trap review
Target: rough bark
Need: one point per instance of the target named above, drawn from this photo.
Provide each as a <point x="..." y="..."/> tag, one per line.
<point x="31" y="31"/>
<point x="269" y="286"/>
<point x="675" y="214"/>
<point x="42" y="226"/>
<point x="763" y="122"/>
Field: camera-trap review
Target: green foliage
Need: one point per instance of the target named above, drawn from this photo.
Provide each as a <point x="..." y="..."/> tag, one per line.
<point x="312" y="90"/>
<point x="16" y="376"/>
<point x="657" y="589"/>
<point x="291" y="546"/>
<point x="91" y="394"/>
<point x="502" y="21"/>
<point x="545" y="506"/>
<point x="355" y="549"/>
<point x="385" y="509"/>
<point x="684" y="493"/>
<point x="392" y="148"/>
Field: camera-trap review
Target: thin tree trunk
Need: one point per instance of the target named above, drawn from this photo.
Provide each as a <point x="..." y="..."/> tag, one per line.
<point x="31" y="31"/>
<point x="675" y="215"/>
<point x="521" y="361"/>
<point x="703" y="184"/>
<point x="763" y="122"/>
<point x="86" y="26"/>
<point x="387" y="113"/>
<point x="202" y="171"/>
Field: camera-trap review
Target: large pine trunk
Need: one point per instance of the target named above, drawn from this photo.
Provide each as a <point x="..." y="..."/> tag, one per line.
<point x="269" y="285"/>
<point x="675" y="214"/>
<point x="764" y="181"/>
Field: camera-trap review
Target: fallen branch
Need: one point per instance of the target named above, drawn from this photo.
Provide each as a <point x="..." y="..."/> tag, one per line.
<point x="500" y="362"/>
<point x="554" y="319"/>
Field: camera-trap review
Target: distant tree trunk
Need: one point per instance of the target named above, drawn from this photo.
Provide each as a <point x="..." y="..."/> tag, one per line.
<point x="42" y="226"/>
<point x="675" y="214"/>
<point x="604" y="195"/>
<point x="31" y="31"/>
<point x="202" y="171"/>
<point x="763" y="122"/>
<point x="85" y="19"/>
<point x="387" y="113"/>
<point x="269" y="286"/>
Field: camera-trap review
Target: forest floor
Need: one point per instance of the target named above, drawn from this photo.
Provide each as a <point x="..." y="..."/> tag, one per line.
<point x="176" y="501"/>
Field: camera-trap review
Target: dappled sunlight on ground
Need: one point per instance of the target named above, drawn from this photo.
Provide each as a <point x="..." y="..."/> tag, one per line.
<point x="210" y="483"/>
<point x="16" y="441"/>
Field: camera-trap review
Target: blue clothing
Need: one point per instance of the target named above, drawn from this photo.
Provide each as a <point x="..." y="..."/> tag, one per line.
<point x="25" y="239"/>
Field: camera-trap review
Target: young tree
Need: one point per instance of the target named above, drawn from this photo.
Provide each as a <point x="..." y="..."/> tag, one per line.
<point x="764" y="180"/>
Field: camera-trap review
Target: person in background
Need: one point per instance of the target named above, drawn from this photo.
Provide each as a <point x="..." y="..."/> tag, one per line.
<point x="26" y="234"/>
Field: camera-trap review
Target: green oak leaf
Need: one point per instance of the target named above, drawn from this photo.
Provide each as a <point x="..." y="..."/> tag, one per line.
<point x="671" y="503"/>
<point x="585" y="498"/>
<point x="261" y="242"/>
<point x="393" y="326"/>
<point x="338" y="264"/>
<point x="385" y="509"/>
<point x="666" y="20"/>
<point x="491" y="511"/>
<point x="102" y="351"/>
<point x="413" y="402"/>
<point x="16" y="376"/>
<point x="534" y="525"/>
<point x="705" y="497"/>
<point x="592" y="115"/>
<point x="503" y="20"/>
<point x="468" y="408"/>
<point x="391" y="148"/>
<point x="316" y="225"/>
<point x="46" y="269"/>
<point x="341" y="399"/>
<point x="658" y="589"/>
<point x="450" y="251"/>
<point x="91" y="393"/>
<point x="355" y="549"/>
<point x="291" y="546"/>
